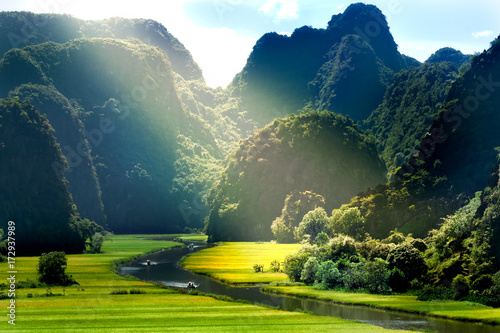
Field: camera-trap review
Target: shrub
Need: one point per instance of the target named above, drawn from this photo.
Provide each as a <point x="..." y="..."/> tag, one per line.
<point x="52" y="269"/>
<point x="328" y="274"/>
<point x="409" y="260"/>
<point x="397" y="281"/>
<point x="136" y="291"/>
<point x="377" y="276"/>
<point x="482" y="283"/>
<point x="258" y="268"/>
<point x="460" y="285"/>
<point x="275" y="266"/>
<point x="322" y="238"/>
<point x="294" y="263"/>
<point x="96" y="242"/>
<point x="119" y="292"/>
<point x="355" y="276"/>
<point x="341" y="247"/>
<point x="308" y="273"/>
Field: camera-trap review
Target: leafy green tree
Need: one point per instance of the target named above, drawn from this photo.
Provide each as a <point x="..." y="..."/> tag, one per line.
<point x="328" y="274"/>
<point x="308" y="273"/>
<point x="348" y="221"/>
<point x="409" y="260"/>
<point x="297" y="204"/>
<point x="96" y="242"/>
<point x="313" y="223"/>
<point x="294" y="264"/>
<point x="52" y="269"/>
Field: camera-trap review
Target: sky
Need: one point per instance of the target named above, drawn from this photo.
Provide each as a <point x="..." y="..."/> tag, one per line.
<point x="220" y="34"/>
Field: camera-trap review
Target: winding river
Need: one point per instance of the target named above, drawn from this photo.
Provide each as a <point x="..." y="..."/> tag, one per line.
<point x="164" y="269"/>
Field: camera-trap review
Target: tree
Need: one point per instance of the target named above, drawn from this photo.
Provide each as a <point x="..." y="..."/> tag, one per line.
<point x="96" y="242"/>
<point x="297" y="204"/>
<point x="409" y="260"/>
<point x="52" y="269"/>
<point x="313" y="223"/>
<point x="348" y="221"/>
<point x="308" y="273"/>
<point x="328" y="274"/>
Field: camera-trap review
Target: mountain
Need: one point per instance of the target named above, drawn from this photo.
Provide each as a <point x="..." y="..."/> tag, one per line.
<point x="323" y="153"/>
<point x="319" y="68"/>
<point x="118" y="124"/>
<point x="21" y="29"/>
<point x="448" y="54"/>
<point x="455" y="159"/>
<point x="409" y="106"/>
<point x="32" y="195"/>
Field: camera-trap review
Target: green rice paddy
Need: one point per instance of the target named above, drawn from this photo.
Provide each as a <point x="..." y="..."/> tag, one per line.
<point x="92" y="306"/>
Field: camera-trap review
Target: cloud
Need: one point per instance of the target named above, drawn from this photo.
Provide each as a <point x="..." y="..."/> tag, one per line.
<point x="485" y="33"/>
<point x="281" y="9"/>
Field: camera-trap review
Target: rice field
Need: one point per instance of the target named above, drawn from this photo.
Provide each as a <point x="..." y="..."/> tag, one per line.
<point x="233" y="263"/>
<point x="91" y="306"/>
<point x="444" y="309"/>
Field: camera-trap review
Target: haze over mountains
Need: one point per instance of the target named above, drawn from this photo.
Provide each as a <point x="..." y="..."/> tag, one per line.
<point x="145" y="139"/>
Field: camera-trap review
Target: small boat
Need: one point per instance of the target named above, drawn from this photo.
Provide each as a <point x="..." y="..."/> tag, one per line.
<point x="148" y="262"/>
<point x="190" y="246"/>
<point x="191" y="285"/>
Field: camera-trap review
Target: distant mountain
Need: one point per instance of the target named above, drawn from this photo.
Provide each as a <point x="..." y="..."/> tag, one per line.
<point x="118" y="125"/>
<point x="32" y="196"/>
<point x="323" y="153"/>
<point x="20" y="29"/>
<point x="448" y="54"/>
<point x="319" y="68"/>
<point x="409" y="106"/>
<point x="455" y="159"/>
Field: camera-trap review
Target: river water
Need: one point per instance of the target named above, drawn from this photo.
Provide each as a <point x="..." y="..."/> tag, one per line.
<point x="165" y="269"/>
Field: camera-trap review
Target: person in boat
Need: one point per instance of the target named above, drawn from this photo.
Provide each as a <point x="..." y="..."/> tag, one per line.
<point x="148" y="262"/>
<point x="191" y="285"/>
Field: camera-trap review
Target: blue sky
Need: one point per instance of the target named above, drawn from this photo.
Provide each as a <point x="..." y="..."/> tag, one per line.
<point x="221" y="33"/>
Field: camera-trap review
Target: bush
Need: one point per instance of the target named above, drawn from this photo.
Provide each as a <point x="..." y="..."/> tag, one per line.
<point x="308" y="273"/>
<point x="328" y="274"/>
<point x="460" y="285"/>
<point x="294" y="264"/>
<point x="52" y="269"/>
<point x="341" y="247"/>
<point x="397" y="281"/>
<point x="119" y="292"/>
<point x="136" y="291"/>
<point x="258" y="268"/>
<point x="409" y="260"/>
<point x="275" y="266"/>
<point x="482" y="283"/>
<point x="348" y="221"/>
<point x="377" y="276"/>
<point x="96" y="242"/>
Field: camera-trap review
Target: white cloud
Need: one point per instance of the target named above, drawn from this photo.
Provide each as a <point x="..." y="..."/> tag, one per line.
<point x="485" y="33"/>
<point x="281" y="9"/>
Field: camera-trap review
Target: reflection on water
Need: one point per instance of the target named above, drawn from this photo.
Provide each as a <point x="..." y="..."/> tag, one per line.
<point x="167" y="271"/>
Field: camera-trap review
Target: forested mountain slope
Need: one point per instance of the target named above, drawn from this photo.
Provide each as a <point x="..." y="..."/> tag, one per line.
<point x="323" y="153"/>
<point x="408" y="109"/>
<point x="118" y="124"/>
<point x="32" y="195"/>
<point x="324" y="68"/>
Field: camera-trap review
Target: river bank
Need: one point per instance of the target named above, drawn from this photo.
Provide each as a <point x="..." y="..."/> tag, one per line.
<point x="106" y="302"/>
<point x="232" y="264"/>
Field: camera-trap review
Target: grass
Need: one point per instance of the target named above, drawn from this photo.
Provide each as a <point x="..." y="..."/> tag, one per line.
<point x="106" y="302"/>
<point x="232" y="263"/>
<point x="444" y="309"/>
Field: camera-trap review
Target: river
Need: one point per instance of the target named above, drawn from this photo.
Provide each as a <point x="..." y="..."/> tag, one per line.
<point x="165" y="269"/>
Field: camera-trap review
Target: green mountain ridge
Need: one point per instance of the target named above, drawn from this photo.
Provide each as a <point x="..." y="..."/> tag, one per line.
<point x="322" y="152"/>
